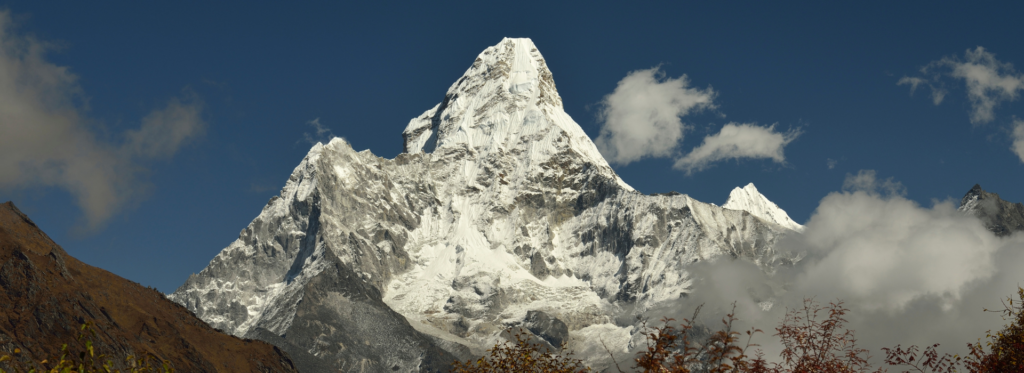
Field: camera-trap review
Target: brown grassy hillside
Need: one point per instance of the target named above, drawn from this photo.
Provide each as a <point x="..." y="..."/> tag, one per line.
<point x="45" y="295"/>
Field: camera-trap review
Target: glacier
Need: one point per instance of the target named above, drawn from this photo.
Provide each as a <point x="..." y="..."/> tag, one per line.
<point x="500" y="211"/>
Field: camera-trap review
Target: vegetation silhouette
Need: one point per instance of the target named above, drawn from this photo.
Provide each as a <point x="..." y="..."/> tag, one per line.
<point x="522" y="356"/>
<point x="814" y="340"/>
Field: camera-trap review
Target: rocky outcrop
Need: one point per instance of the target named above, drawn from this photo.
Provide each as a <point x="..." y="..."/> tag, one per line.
<point x="999" y="216"/>
<point x="46" y="294"/>
<point x="552" y="330"/>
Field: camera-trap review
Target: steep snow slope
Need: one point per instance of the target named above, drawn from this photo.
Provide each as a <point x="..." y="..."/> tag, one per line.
<point x="499" y="207"/>
<point x="750" y="200"/>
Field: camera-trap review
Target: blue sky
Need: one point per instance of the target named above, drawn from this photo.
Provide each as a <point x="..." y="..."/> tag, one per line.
<point x="247" y="79"/>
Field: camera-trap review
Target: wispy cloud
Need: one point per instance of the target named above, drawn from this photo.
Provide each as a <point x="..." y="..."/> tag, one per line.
<point x="163" y="131"/>
<point x="913" y="82"/>
<point x="735" y="141"/>
<point x="938" y="93"/>
<point x="45" y="141"/>
<point x="642" y="117"/>
<point x="321" y="133"/>
<point x="1018" y="138"/>
<point x="989" y="82"/>
<point x="867" y="181"/>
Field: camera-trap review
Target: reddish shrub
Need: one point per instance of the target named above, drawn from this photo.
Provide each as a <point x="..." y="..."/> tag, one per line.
<point x="522" y="356"/>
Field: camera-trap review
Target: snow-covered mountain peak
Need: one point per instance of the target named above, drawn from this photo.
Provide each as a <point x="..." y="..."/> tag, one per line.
<point x="505" y="105"/>
<point x="750" y="200"/>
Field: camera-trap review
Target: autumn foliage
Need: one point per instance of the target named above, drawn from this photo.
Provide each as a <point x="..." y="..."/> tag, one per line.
<point x="814" y="340"/>
<point x="674" y="350"/>
<point x="521" y="356"/>
<point x="1003" y="351"/>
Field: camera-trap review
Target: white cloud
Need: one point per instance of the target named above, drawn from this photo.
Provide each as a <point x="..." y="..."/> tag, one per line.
<point x="1018" y="138"/>
<point x="46" y="142"/>
<point x="641" y="118"/>
<point x="904" y="268"/>
<point x="736" y="141"/>
<point x="882" y="252"/>
<point x="989" y="81"/>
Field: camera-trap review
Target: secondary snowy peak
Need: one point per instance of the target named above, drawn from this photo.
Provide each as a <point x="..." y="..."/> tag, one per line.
<point x="750" y="200"/>
<point x="505" y="104"/>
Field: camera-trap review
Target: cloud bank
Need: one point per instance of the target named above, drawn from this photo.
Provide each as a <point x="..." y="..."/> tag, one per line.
<point x="642" y="117"/>
<point x="46" y="141"/>
<point x="735" y="141"/>
<point x="910" y="274"/>
<point x="881" y="251"/>
<point x="989" y="82"/>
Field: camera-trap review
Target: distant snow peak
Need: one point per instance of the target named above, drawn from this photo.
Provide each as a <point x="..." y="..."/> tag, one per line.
<point x="750" y="200"/>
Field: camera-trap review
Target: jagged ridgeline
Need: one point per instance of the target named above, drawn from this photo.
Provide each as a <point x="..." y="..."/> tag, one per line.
<point x="500" y="212"/>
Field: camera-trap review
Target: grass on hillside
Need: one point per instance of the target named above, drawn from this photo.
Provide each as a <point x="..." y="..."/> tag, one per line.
<point x="81" y="357"/>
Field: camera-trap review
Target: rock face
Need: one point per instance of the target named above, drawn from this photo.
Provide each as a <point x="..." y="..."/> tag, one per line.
<point x="46" y="294"/>
<point x="1000" y="217"/>
<point x="499" y="210"/>
<point x="552" y="330"/>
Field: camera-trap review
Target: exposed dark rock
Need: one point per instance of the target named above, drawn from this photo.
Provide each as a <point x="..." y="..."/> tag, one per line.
<point x="999" y="216"/>
<point x="537" y="265"/>
<point x="552" y="330"/>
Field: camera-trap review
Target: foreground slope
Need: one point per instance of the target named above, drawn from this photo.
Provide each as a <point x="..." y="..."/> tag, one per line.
<point x="501" y="211"/>
<point x="47" y="294"/>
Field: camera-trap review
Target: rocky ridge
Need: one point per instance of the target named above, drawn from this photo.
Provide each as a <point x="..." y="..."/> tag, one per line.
<point x="999" y="216"/>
